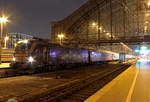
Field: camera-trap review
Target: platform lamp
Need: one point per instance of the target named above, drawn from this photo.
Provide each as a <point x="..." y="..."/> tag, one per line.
<point x="3" y="21"/>
<point x="6" y="38"/>
<point x="148" y="4"/>
<point x="60" y="36"/>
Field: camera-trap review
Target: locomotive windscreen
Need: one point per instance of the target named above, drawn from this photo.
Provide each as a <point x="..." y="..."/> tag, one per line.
<point x="23" y="46"/>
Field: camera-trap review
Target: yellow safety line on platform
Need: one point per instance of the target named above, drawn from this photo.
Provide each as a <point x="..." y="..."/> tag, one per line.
<point x="128" y="99"/>
<point x="97" y="96"/>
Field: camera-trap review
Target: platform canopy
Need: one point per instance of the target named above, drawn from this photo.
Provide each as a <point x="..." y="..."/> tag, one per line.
<point x="106" y="21"/>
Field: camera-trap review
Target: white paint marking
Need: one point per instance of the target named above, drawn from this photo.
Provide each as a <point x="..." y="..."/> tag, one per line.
<point x="128" y="99"/>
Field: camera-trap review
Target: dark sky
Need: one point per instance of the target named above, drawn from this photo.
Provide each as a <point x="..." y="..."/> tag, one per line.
<point x="34" y="16"/>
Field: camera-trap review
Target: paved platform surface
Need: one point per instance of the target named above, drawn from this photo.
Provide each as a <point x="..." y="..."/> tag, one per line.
<point x="133" y="85"/>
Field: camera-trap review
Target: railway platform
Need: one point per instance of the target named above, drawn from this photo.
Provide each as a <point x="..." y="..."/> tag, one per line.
<point x="133" y="85"/>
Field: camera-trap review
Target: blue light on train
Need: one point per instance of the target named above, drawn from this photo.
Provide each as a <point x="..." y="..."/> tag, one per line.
<point x="96" y="54"/>
<point x="93" y="53"/>
<point x="52" y="53"/>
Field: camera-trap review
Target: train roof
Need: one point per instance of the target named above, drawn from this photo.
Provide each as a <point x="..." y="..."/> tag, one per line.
<point x="47" y="42"/>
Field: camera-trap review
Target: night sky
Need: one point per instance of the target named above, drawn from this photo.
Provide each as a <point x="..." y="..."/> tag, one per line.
<point x="34" y="16"/>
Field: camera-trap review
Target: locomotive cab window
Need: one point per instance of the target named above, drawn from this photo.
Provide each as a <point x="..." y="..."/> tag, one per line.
<point x="24" y="46"/>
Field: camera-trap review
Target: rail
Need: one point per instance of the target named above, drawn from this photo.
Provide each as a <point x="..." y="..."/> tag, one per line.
<point x="61" y="91"/>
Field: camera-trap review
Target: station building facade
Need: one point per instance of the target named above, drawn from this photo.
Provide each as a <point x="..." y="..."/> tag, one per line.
<point x="98" y="23"/>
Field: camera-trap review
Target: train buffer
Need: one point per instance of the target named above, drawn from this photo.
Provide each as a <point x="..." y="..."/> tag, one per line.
<point x="133" y="85"/>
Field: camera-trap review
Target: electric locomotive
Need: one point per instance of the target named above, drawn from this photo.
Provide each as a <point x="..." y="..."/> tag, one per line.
<point x="40" y="53"/>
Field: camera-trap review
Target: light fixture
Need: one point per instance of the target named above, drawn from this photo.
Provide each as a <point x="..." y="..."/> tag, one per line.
<point x="3" y="19"/>
<point x="14" y="59"/>
<point x="148" y="3"/>
<point x="60" y="36"/>
<point x="145" y="28"/>
<point x="93" y="24"/>
<point x="6" y="38"/>
<point x="30" y="59"/>
<point x="26" y="41"/>
<point x="143" y="47"/>
<point x="100" y="28"/>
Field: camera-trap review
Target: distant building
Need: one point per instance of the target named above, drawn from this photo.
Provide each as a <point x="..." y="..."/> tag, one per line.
<point x="15" y="37"/>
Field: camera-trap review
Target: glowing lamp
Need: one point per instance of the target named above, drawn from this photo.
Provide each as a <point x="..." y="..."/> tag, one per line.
<point x="3" y="19"/>
<point x="6" y="38"/>
<point x="143" y="47"/>
<point x="148" y="3"/>
<point x="93" y="24"/>
<point x="60" y="35"/>
<point x="31" y="59"/>
<point x="26" y="41"/>
<point x="14" y="59"/>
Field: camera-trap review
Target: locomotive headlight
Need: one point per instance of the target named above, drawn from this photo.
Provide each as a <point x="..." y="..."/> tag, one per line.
<point x="31" y="59"/>
<point x="14" y="59"/>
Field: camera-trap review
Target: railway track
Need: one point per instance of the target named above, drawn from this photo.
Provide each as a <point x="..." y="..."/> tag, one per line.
<point x="85" y="92"/>
<point x="77" y="90"/>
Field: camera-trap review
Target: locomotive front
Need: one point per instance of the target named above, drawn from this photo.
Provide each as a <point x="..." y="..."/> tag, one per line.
<point x="22" y="55"/>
